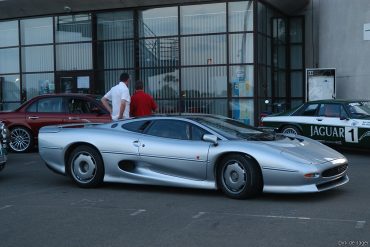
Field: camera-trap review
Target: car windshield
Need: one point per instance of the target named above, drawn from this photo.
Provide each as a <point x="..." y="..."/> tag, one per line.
<point x="359" y="109"/>
<point x="235" y="130"/>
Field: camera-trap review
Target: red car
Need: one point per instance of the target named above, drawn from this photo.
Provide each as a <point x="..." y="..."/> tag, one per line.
<point x="24" y="123"/>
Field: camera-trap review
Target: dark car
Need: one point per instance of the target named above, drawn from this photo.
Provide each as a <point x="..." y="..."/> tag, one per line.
<point x="344" y="122"/>
<point x="50" y="109"/>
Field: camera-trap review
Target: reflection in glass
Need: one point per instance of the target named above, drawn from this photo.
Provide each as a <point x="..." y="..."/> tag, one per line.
<point x="243" y="110"/>
<point x="296" y="57"/>
<point x="74" y="56"/>
<point x="296" y="30"/>
<point x="262" y="15"/>
<point x="296" y="79"/>
<point x="9" y="60"/>
<point x="199" y="82"/>
<point x="241" y="80"/>
<point x="241" y="48"/>
<point x="108" y="79"/>
<point x="38" y="58"/>
<point x="280" y="84"/>
<point x="8" y="33"/>
<point x="37" y="31"/>
<point x="10" y="87"/>
<point x="202" y="50"/>
<point x="116" y="54"/>
<point x="115" y="25"/>
<point x="207" y="106"/>
<point x="262" y="51"/>
<point x="158" y="22"/>
<point x="241" y="16"/>
<point x="73" y="28"/>
<point x="206" y="18"/>
<point x="37" y="84"/>
<point x="161" y="83"/>
<point x="159" y="52"/>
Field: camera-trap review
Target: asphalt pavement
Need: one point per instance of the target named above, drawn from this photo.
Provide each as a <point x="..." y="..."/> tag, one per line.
<point x="41" y="208"/>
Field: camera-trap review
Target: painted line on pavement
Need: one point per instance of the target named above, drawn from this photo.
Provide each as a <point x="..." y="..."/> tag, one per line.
<point x="6" y="206"/>
<point x="138" y="212"/>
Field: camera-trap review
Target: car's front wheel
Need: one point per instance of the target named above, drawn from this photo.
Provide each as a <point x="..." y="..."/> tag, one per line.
<point x="86" y="167"/>
<point x="239" y="177"/>
<point x="290" y="129"/>
<point x="21" y="140"/>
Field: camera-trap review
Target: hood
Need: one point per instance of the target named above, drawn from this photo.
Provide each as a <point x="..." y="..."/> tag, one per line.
<point x="305" y="149"/>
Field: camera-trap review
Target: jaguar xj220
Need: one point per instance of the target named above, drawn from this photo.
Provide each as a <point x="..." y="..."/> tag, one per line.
<point x="194" y="151"/>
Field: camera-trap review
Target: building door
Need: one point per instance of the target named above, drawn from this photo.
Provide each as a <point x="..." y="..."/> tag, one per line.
<point x="74" y="82"/>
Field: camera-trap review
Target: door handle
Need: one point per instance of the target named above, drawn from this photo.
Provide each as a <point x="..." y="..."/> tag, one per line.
<point x="136" y="143"/>
<point x="73" y="118"/>
<point x="319" y="119"/>
<point x="33" y="118"/>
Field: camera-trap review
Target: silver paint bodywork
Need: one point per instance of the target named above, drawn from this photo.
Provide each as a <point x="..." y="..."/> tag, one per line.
<point x="189" y="163"/>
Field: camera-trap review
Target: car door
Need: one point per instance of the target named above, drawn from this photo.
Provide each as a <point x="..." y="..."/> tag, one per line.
<point x="333" y="124"/>
<point x="45" y="111"/>
<point x="85" y="110"/>
<point x="167" y="147"/>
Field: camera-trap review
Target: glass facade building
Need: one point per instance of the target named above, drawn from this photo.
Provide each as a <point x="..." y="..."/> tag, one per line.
<point x="225" y="58"/>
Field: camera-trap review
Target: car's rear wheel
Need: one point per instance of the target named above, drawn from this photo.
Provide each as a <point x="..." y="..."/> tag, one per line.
<point x="86" y="167"/>
<point x="290" y="129"/>
<point x="239" y="177"/>
<point x="21" y="140"/>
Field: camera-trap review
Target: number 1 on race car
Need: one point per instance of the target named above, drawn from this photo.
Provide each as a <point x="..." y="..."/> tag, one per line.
<point x="351" y="134"/>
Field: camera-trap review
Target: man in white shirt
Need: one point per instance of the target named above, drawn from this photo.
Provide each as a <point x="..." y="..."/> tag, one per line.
<point x="119" y="95"/>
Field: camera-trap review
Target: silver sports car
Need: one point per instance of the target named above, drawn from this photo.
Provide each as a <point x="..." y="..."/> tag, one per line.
<point x="196" y="151"/>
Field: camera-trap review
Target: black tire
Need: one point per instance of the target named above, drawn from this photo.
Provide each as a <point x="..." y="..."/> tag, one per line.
<point x="86" y="167"/>
<point x="21" y="140"/>
<point x="239" y="177"/>
<point x="290" y="129"/>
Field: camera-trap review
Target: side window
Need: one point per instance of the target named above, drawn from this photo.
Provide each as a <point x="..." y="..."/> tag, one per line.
<point x="310" y="110"/>
<point x="136" y="126"/>
<point x="173" y="129"/>
<point x="331" y="110"/>
<point x="197" y="133"/>
<point x="78" y="106"/>
<point x="52" y="105"/>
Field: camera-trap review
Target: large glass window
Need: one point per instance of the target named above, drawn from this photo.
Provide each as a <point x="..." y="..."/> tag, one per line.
<point x="37" y="58"/>
<point x="8" y="33"/>
<point x="161" y="83"/>
<point x="36" y="84"/>
<point x="158" y="22"/>
<point x="241" y="48"/>
<point x="37" y="31"/>
<point x="10" y="87"/>
<point x="206" y="18"/>
<point x="242" y="81"/>
<point x="115" y="25"/>
<point x="210" y="81"/>
<point x="241" y="16"/>
<point x="9" y="60"/>
<point x="243" y="110"/>
<point x="159" y="52"/>
<point x="73" y="28"/>
<point x="202" y="50"/>
<point x="116" y="54"/>
<point x="74" y="56"/>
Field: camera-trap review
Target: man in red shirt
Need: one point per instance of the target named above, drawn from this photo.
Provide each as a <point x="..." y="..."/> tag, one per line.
<point x="142" y="104"/>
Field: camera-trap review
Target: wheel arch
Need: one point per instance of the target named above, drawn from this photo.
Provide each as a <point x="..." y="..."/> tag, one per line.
<point x="250" y="157"/>
<point x="72" y="147"/>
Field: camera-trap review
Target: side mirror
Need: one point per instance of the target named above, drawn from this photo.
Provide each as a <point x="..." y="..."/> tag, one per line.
<point x="211" y="139"/>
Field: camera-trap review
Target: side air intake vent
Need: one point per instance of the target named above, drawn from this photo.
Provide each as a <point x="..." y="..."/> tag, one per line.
<point x="127" y="165"/>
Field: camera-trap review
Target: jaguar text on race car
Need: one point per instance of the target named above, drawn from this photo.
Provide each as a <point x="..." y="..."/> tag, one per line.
<point x="345" y="122"/>
<point x="195" y="151"/>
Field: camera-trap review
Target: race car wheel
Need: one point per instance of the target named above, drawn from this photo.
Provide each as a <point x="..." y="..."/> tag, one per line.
<point x="21" y="140"/>
<point x="290" y="129"/>
<point x="239" y="177"/>
<point x="86" y="167"/>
